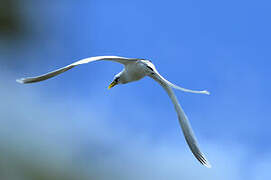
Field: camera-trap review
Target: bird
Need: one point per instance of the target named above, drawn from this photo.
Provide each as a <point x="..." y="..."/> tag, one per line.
<point x="134" y="70"/>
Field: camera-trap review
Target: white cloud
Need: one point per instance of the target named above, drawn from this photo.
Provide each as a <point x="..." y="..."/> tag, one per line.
<point x="79" y="140"/>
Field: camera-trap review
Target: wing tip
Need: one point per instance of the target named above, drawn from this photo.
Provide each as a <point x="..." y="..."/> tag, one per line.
<point x="21" y="80"/>
<point x="206" y="92"/>
<point x="208" y="165"/>
<point x="204" y="161"/>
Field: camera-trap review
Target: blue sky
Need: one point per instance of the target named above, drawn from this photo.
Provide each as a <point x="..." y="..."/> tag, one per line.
<point x="222" y="46"/>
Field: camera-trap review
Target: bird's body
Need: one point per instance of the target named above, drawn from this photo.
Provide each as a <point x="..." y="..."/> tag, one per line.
<point x="134" y="70"/>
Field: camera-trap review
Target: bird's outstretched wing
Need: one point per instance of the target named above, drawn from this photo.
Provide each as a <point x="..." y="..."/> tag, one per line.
<point x="153" y="70"/>
<point x="122" y="60"/>
<point x="184" y="122"/>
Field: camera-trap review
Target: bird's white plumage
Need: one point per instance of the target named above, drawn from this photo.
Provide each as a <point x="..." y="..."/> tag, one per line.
<point x="184" y="122"/>
<point x="134" y="70"/>
<point x="118" y="59"/>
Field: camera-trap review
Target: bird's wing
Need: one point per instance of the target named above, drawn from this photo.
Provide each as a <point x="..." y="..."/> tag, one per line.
<point x="184" y="122"/>
<point x="153" y="70"/>
<point x="118" y="59"/>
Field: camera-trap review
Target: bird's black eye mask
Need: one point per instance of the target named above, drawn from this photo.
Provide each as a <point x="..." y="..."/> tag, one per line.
<point x="117" y="79"/>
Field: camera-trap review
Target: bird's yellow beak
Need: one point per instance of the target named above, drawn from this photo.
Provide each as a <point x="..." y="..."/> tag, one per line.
<point x="114" y="83"/>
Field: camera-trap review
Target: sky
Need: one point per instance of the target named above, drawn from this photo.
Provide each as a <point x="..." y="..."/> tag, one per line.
<point x="73" y="124"/>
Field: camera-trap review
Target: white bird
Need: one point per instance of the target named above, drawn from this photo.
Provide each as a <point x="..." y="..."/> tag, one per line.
<point x="134" y="70"/>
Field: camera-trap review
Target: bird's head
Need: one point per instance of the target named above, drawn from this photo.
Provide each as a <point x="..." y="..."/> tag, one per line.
<point x="116" y="81"/>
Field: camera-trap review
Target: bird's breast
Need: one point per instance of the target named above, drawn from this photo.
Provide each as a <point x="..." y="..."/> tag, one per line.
<point x="135" y="71"/>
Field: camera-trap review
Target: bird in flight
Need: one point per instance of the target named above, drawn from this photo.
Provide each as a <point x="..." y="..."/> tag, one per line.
<point x="134" y="70"/>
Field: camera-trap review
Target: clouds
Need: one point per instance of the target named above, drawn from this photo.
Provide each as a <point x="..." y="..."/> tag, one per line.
<point x="72" y="125"/>
<point x="47" y="138"/>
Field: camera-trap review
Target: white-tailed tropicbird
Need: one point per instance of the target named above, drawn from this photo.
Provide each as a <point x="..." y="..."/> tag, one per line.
<point x="134" y="70"/>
